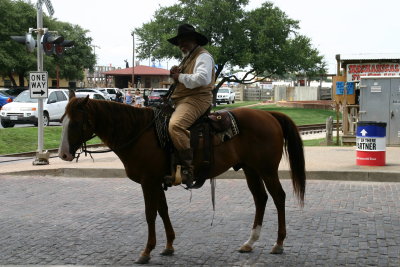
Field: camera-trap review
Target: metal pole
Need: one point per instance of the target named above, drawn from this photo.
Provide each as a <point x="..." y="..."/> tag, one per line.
<point x="41" y="158"/>
<point x="133" y="60"/>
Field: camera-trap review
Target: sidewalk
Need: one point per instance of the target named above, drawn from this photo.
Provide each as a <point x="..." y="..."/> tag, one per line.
<point x="326" y="163"/>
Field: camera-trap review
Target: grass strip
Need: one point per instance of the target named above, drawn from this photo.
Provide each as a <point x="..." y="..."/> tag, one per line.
<point x="18" y="140"/>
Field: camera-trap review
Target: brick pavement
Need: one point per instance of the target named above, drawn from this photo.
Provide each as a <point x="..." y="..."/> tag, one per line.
<point x="100" y="221"/>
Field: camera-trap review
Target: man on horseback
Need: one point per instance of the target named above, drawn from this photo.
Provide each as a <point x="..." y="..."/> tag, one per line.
<point x="192" y="97"/>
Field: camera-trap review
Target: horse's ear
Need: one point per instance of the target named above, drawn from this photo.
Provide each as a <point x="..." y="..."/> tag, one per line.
<point x="71" y="93"/>
<point x="84" y="102"/>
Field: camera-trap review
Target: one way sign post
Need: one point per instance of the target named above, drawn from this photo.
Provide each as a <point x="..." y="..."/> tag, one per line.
<point x="38" y="85"/>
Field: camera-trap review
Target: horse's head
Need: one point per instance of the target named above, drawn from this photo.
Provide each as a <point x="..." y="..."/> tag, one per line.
<point x="77" y="128"/>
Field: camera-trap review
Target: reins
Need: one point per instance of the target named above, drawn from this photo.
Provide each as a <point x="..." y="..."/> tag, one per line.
<point x="129" y="143"/>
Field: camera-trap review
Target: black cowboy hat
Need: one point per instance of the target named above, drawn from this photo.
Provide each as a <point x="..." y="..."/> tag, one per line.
<point x="188" y="30"/>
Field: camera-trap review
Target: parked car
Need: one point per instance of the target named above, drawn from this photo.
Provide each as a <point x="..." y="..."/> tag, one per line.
<point x="108" y="91"/>
<point x="225" y="95"/>
<point x="95" y="90"/>
<point x="5" y="98"/>
<point x="91" y="95"/>
<point x="24" y="109"/>
<point x="13" y="91"/>
<point x="155" y="96"/>
<point x="7" y="90"/>
<point x="112" y="92"/>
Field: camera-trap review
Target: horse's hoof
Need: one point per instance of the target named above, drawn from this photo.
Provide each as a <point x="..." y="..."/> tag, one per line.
<point x="143" y="259"/>
<point x="277" y="249"/>
<point x="245" y="249"/>
<point x="167" y="252"/>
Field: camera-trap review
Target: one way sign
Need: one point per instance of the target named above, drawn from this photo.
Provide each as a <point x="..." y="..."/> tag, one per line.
<point x="38" y="86"/>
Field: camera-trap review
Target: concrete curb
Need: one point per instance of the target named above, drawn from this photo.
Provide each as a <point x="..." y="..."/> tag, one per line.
<point x="367" y="176"/>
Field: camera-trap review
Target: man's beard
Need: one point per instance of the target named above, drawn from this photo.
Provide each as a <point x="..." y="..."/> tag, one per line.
<point x="184" y="54"/>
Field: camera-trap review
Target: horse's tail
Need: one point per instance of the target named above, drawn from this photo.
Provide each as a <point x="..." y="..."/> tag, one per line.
<point x="294" y="149"/>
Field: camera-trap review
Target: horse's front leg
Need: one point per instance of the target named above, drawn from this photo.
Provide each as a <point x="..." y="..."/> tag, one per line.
<point x="169" y="230"/>
<point x="151" y="200"/>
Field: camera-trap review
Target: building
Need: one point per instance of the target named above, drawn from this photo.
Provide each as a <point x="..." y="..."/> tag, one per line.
<point x="144" y="76"/>
<point x="97" y="77"/>
<point x="52" y="82"/>
<point x="368" y="89"/>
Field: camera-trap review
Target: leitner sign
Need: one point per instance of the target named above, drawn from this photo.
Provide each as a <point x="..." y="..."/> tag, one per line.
<point x="357" y="71"/>
<point x="370" y="144"/>
<point x="38" y="86"/>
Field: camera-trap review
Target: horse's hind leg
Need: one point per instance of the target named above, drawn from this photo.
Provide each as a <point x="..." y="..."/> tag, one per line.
<point x="274" y="187"/>
<point x="169" y="231"/>
<point x="260" y="197"/>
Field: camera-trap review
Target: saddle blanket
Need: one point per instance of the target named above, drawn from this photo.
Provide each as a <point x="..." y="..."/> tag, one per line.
<point x="222" y="124"/>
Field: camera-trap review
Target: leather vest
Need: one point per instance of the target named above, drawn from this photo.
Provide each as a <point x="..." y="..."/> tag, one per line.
<point x="188" y="67"/>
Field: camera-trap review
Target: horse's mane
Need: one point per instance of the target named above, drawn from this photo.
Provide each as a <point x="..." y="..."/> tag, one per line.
<point x="112" y="121"/>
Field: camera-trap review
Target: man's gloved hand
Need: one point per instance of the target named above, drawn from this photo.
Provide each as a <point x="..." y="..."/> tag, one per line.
<point x="174" y="73"/>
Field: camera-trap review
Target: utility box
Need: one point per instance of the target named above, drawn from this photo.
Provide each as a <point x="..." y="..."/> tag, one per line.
<point x="380" y="101"/>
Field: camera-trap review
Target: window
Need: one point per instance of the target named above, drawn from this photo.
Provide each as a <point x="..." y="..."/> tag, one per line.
<point x="61" y="96"/>
<point x="97" y="96"/>
<point x="52" y="98"/>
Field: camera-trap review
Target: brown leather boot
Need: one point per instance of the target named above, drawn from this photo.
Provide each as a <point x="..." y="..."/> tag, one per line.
<point x="186" y="158"/>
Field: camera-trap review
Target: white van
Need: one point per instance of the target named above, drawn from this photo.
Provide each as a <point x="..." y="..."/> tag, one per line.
<point x="24" y="109"/>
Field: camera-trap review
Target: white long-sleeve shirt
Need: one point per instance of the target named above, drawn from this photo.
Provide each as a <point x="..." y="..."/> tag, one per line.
<point x="202" y="72"/>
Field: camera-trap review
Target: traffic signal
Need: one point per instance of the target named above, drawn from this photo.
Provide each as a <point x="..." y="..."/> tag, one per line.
<point x="49" y="40"/>
<point x="27" y="40"/>
<point x="59" y="48"/>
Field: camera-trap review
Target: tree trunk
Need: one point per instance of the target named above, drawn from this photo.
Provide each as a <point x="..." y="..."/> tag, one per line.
<point x="21" y="80"/>
<point x="11" y="77"/>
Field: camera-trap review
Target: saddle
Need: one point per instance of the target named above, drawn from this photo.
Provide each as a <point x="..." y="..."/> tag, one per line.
<point x="209" y="130"/>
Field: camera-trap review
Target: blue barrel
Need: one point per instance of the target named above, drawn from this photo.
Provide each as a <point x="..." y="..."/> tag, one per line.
<point x="371" y="143"/>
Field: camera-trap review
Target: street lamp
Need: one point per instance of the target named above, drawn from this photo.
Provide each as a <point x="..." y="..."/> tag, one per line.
<point x="133" y="59"/>
<point x="94" y="72"/>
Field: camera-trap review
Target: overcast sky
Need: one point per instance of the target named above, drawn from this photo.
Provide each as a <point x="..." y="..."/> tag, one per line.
<point x="335" y="27"/>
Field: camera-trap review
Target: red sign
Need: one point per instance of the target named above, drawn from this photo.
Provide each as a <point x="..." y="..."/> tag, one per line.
<point x="355" y="71"/>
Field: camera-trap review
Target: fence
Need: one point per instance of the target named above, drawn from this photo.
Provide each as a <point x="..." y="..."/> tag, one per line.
<point x="283" y="93"/>
<point x="258" y="94"/>
<point x="301" y="93"/>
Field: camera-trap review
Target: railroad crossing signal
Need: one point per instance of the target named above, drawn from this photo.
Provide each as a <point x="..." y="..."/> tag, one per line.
<point x="51" y="43"/>
<point x="59" y="48"/>
<point x="27" y="40"/>
<point x="48" y="42"/>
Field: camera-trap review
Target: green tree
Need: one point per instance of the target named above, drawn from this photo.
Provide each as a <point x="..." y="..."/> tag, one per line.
<point x="14" y="59"/>
<point x="17" y="17"/>
<point x="264" y="40"/>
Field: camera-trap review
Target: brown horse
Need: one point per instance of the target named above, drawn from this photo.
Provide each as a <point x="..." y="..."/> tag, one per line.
<point x="130" y="133"/>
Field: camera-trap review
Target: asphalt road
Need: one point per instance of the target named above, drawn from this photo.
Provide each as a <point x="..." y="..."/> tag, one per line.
<point x="100" y="221"/>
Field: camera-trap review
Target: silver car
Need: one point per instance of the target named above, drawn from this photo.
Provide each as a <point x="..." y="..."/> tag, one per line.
<point x="95" y="90"/>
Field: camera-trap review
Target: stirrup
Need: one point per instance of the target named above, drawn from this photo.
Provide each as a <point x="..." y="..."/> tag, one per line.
<point x="189" y="178"/>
